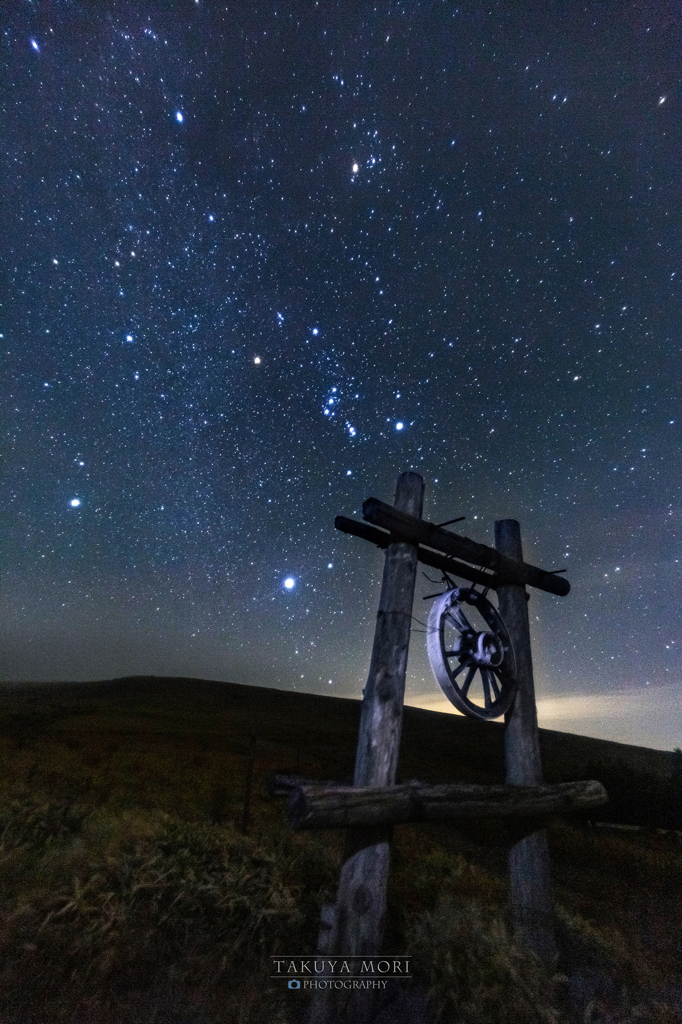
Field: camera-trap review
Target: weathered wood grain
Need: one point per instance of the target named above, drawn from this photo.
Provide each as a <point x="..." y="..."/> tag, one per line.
<point x="437" y="561"/>
<point x="319" y="806"/>
<point x="360" y="909"/>
<point x="417" y="531"/>
<point x="381" y="715"/>
<point x="529" y="867"/>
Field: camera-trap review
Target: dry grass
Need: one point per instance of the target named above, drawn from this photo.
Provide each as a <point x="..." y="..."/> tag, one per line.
<point x="104" y="907"/>
<point x="128" y="893"/>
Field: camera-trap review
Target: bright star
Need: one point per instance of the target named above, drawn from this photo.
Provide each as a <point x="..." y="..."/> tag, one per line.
<point x="75" y="502"/>
<point x="355" y="168"/>
<point x="129" y="337"/>
<point x="315" y="330"/>
<point x="257" y="360"/>
<point x="35" y="46"/>
<point x="289" y="582"/>
<point x="399" y="426"/>
<point x="178" y="116"/>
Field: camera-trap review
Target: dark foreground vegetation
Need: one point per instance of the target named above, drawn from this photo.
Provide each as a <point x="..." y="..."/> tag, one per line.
<point x="130" y="893"/>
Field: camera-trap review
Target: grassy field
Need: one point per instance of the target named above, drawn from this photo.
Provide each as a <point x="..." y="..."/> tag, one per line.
<point x="130" y="893"/>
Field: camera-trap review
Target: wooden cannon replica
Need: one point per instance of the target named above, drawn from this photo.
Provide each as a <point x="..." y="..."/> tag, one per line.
<point x="482" y="660"/>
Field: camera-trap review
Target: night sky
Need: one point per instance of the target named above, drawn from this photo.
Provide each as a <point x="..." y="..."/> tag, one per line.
<point x="261" y="257"/>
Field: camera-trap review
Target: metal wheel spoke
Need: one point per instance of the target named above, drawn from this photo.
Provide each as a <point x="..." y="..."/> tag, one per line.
<point x="485" y="675"/>
<point x="467" y="682"/>
<point x="493" y="683"/>
<point x="500" y="677"/>
<point x="453" y="675"/>
<point x="457" y="616"/>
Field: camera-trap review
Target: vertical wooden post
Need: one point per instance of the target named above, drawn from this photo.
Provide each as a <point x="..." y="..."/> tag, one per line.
<point x="381" y="716"/>
<point x="361" y="900"/>
<point x="529" y="870"/>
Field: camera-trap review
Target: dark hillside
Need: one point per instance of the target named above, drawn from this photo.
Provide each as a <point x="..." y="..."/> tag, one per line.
<point x="131" y="891"/>
<point x="296" y="731"/>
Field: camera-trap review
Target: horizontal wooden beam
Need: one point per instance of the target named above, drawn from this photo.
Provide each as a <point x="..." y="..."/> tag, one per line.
<point x="437" y="561"/>
<point x="278" y="784"/>
<point x="418" y="531"/>
<point x="323" y="806"/>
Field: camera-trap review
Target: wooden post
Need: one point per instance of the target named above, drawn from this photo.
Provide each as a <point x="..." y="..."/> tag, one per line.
<point x="529" y="871"/>
<point x="361" y="900"/>
<point x="381" y="716"/>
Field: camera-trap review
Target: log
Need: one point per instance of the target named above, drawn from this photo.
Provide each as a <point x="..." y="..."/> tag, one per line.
<point x="529" y="868"/>
<point x="381" y="714"/>
<point x="417" y="531"/>
<point x="437" y="561"/>
<point x="312" y="806"/>
<point x="360" y="908"/>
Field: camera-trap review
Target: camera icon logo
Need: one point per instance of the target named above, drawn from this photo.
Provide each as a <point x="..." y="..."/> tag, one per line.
<point x="294" y="983"/>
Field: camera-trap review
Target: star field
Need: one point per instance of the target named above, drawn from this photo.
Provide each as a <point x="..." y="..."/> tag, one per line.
<point x="260" y="258"/>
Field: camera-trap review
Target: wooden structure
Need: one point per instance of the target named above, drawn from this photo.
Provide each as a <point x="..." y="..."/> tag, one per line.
<point x="529" y="873"/>
<point x="368" y="809"/>
<point x="314" y="806"/>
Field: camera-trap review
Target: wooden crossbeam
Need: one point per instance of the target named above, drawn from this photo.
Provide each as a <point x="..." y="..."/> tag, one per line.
<point x="437" y="561"/>
<point x="313" y="806"/>
<point x="417" y="531"/>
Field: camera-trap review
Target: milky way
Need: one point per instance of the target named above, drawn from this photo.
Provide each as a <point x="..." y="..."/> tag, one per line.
<point x="260" y="258"/>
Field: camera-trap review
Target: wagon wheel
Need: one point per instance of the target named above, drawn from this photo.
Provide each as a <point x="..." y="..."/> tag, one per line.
<point x="474" y="665"/>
